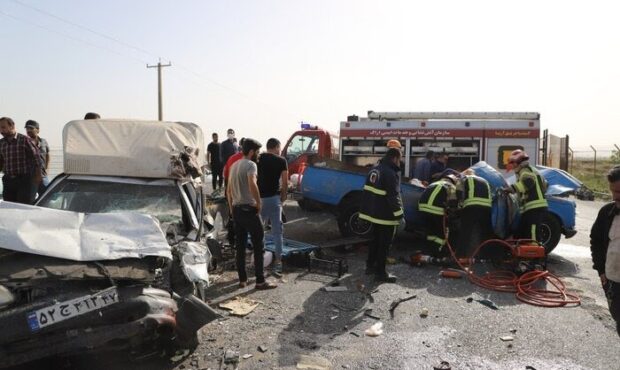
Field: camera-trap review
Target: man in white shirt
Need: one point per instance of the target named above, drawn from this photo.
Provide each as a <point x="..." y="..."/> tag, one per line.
<point x="605" y="246"/>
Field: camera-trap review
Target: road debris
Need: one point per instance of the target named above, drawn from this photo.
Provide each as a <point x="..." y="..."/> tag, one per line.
<point x="368" y="313"/>
<point x="333" y="317"/>
<point x="486" y="302"/>
<point x="424" y="313"/>
<point x="240" y="306"/>
<point x="179" y="355"/>
<point x="451" y="274"/>
<point x="262" y="349"/>
<point x="231" y="357"/>
<point x="395" y="303"/>
<point x="247" y="355"/>
<point x="354" y="334"/>
<point x="313" y="363"/>
<point x="507" y="338"/>
<point x="375" y="330"/>
<point x="335" y="288"/>
<point x="443" y="365"/>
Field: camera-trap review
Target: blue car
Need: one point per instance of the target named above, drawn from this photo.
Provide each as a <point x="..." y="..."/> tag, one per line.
<point x="339" y="189"/>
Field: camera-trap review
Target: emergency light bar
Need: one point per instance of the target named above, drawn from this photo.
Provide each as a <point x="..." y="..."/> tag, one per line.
<point x="307" y="126"/>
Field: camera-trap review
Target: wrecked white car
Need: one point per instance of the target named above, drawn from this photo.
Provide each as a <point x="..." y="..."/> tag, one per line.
<point x="113" y="255"/>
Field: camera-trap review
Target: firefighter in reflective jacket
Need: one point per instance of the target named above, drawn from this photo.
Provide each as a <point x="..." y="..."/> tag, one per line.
<point x="475" y="202"/>
<point x="434" y="203"/>
<point x="382" y="206"/>
<point x="531" y="188"/>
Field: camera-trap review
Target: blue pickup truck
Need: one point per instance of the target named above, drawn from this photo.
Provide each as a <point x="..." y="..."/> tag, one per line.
<point x="340" y="190"/>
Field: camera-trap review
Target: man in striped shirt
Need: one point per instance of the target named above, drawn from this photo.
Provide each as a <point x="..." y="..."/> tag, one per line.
<point x="21" y="164"/>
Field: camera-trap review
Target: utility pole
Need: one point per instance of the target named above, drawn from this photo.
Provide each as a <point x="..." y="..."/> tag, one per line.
<point x="159" y="66"/>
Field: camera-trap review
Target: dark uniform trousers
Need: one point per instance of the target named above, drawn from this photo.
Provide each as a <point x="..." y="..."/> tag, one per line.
<point x="475" y="225"/>
<point x="529" y="223"/>
<point x="383" y="237"/>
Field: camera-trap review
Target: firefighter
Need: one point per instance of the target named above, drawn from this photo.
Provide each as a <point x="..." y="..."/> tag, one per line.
<point x="531" y="188"/>
<point x="382" y="206"/>
<point x="474" y="194"/>
<point x="393" y="143"/>
<point x="438" y="199"/>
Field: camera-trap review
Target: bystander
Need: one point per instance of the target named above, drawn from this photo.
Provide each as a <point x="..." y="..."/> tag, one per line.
<point x="244" y="198"/>
<point x="605" y="246"/>
<point x="21" y="164"/>
<point x="214" y="158"/>
<point x="32" y="130"/>
<point x="273" y="186"/>
<point x="229" y="146"/>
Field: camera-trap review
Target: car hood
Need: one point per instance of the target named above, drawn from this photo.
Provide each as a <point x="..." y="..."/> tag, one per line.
<point x="559" y="182"/>
<point x="79" y="236"/>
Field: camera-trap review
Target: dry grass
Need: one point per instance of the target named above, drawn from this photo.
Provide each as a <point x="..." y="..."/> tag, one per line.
<point x="593" y="178"/>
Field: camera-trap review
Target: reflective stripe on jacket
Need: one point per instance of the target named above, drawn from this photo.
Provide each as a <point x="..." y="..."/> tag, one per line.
<point x="381" y="202"/>
<point x="531" y="188"/>
<point x="476" y="191"/>
<point x="435" y="198"/>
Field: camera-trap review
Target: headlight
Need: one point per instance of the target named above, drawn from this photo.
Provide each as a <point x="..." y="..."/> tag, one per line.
<point x="6" y="297"/>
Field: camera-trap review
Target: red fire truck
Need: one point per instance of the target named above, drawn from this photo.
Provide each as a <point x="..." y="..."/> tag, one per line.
<point x="467" y="138"/>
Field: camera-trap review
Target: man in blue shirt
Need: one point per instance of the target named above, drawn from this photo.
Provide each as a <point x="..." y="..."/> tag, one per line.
<point x="438" y="166"/>
<point x="422" y="169"/>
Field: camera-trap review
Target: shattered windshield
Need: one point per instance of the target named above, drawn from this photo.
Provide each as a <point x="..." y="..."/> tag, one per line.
<point x="87" y="196"/>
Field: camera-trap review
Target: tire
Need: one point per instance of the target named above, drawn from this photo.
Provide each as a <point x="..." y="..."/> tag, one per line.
<point x="309" y="205"/>
<point x="302" y="204"/>
<point x="550" y="232"/>
<point x="349" y="222"/>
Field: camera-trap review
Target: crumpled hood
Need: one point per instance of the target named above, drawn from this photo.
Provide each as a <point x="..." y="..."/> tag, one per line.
<point x="79" y="236"/>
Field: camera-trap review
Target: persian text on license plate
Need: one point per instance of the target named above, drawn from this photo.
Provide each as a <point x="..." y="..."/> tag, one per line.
<point x="65" y="310"/>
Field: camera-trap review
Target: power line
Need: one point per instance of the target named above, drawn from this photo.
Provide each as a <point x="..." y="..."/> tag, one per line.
<point x="118" y="41"/>
<point x="141" y="50"/>
<point x="70" y="37"/>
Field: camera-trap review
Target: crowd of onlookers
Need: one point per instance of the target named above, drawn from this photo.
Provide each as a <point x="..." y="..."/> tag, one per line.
<point x="25" y="160"/>
<point x="256" y="187"/>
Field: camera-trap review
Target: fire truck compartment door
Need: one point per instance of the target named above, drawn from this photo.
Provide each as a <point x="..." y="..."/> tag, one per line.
<point x="498" y="151"/>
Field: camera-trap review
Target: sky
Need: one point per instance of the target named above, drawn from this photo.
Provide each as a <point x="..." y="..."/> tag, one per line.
<point x="261" y="67"/>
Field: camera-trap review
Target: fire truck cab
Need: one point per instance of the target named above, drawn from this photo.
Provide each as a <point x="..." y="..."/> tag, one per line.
<point x="309" y="144"/>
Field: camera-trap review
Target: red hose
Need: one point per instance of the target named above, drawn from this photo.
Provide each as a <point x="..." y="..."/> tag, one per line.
<point x="523" y="286"/>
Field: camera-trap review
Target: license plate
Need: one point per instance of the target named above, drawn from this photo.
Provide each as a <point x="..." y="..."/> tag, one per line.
<point x="62" y="311"/>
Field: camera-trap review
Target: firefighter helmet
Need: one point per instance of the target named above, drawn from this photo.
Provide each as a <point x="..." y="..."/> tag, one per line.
<point x="453" y="179"/>
<point x="518" y="156"/>
<point x="394" y="144"/>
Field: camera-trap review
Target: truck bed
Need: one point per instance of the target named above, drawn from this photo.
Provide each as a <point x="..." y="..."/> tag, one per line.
<point x="333" y="181"/>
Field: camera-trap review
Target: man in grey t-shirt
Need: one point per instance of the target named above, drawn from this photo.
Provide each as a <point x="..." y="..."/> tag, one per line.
<point x="244" y="198"/>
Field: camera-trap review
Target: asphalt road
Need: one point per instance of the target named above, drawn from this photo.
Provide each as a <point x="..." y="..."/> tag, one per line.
<point x="299" y="318"/>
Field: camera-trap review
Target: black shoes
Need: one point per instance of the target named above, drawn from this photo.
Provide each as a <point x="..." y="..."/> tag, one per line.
<point x="385" y="278"/>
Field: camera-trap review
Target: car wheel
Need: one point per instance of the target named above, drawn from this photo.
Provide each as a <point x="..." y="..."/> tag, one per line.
<point x="549" y="232"/>
<point x="349" y="222"/>
<point x="309" y="205"/>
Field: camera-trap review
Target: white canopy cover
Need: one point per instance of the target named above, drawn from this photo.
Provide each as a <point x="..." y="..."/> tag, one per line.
<point x="129" y="148"/>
